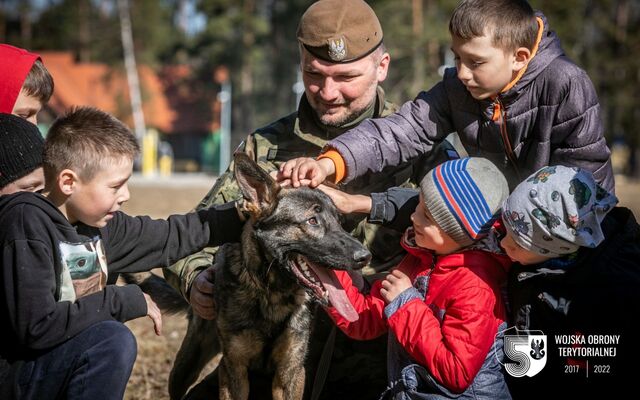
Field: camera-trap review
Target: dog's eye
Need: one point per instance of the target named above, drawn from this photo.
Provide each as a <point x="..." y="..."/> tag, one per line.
<point x="312" y="221"/>
<point x="317" y="209"/>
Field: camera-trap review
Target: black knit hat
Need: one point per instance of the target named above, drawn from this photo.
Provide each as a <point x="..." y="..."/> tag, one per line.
<point x="21" y="146"/>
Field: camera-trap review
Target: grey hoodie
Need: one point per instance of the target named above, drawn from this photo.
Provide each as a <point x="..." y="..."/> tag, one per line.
<point x="551" y="116"/>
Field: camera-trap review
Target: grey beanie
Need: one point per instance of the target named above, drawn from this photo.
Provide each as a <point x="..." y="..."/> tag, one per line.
<point x="557" y="210"/>
<point x="21" y="147"/>
<point x="464" y="197"/>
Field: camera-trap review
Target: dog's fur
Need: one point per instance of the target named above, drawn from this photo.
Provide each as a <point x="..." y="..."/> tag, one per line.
<point x="262" y="295"/>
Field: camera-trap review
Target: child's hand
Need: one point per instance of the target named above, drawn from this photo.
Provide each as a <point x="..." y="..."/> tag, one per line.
<point x="394" y="284"/>
<point x="306" y="168"/>
<point x="154" y="313"/>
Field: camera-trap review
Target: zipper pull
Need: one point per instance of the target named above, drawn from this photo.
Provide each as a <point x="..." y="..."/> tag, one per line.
<point x="497" y="110"/>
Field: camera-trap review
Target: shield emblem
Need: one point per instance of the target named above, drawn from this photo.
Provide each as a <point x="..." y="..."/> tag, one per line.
<point x="337" y="49"/>
<point x="527" y="351"/>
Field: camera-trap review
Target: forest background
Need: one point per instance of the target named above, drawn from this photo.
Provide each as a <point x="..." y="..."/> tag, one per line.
<point x="255" y="41"/>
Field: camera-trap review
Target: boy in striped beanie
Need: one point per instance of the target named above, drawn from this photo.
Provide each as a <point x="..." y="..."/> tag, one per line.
<point x="442" y="304"/>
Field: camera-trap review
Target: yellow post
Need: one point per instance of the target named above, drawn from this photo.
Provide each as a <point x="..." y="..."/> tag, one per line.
<point x="150" y="152"/>
<point x="166" y="159"/>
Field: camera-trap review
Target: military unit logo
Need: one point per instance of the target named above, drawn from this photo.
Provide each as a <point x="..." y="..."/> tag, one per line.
<point x="526" y="352"/>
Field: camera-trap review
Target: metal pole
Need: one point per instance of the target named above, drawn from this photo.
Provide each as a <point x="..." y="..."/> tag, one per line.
<point x="132" y="72"/>
<point x="225" y="125"/>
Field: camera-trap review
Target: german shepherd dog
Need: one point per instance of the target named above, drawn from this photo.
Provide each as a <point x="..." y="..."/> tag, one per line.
<point x="264" y="288"/>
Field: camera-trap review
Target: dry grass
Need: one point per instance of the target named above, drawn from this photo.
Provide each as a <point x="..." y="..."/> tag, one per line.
<point x="155" y="354"/>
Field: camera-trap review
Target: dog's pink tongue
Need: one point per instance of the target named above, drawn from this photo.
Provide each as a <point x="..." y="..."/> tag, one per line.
<point x="337" y="296"/>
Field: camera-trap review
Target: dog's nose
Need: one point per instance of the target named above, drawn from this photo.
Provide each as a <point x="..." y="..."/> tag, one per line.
<point x="361" y="257"/>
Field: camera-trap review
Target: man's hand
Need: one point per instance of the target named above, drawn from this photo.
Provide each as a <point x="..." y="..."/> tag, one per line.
<point x="201" y="294"/>
<point x="394" y="283"/>
<point x="306" y="168"/>
<point x="154" y="313"/>
<point x="346" y="203"/>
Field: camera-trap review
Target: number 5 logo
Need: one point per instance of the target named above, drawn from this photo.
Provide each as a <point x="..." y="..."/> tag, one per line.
<point x="527" y="350"/>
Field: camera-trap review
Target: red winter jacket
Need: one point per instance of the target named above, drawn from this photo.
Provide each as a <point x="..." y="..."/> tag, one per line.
<point x="451" y="331"/>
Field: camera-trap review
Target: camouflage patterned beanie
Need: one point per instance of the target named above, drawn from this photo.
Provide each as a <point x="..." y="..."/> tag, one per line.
<point x="557" y="210"/>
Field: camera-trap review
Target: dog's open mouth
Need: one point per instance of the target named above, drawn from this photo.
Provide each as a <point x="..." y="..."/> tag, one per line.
<point x="324" y="284"/>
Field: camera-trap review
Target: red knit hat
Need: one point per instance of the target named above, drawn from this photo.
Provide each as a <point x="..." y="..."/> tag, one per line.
<point x="15" y="64"/>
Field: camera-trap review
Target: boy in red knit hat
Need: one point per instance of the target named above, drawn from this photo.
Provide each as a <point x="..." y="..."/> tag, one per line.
<point x="25" y="83"/>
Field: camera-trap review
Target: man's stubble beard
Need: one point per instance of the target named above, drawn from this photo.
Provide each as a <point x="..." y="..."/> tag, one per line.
<point x="354" y="114"/>
<point x="346" y="119"/>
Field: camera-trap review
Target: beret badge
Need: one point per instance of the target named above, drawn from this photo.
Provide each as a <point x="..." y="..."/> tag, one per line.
<point x="337" y="50"/>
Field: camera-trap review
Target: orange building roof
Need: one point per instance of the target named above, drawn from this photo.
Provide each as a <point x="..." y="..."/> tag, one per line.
<point x="168" y="103"/>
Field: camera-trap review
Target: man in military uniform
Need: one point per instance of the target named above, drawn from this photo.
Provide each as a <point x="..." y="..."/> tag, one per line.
<point x="343" y="61"/>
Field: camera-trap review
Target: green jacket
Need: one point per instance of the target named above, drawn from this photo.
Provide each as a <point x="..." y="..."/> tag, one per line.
<point x="301" y="135"/>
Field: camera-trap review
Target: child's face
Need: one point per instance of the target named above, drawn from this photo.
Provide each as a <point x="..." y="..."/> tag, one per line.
<point x="483" y="69"/>
<point x="33" y="182"/>
<point x="428" y="234"/>
<point x="94" y="202"/>
<point x="519" y="254"/>
<point x="27" y="107"/>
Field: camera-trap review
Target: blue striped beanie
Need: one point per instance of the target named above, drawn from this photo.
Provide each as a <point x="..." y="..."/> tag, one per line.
<point x="464" y="197"/>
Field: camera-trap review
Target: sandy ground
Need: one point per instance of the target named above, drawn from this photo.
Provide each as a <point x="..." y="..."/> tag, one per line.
<point x="162" y="197"/>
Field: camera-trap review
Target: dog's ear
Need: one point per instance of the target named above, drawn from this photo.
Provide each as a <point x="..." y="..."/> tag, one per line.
<point x="259" y="189"/>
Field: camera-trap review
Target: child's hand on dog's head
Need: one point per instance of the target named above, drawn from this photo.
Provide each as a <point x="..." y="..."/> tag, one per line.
<point x="394" y="284"/>
<point x="154" y="313"/>
<point x="302" y="168"/>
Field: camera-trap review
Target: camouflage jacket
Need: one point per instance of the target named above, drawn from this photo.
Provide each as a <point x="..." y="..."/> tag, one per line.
<point x="301" y="135"/>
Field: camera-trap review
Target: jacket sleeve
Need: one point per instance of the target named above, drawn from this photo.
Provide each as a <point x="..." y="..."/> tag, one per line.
<point x="577" y="135"/>
<point x="183" y="272"/>
<point x="394" y="207"/>
<point x="398" y="138"/>
<point x="141" y="243"/>
<point x="36" y="318"/>
<point x="454" y="351"/>
<point x="371" y="322"/>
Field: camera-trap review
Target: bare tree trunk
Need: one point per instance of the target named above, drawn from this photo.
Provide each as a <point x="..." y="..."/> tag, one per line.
<point x="3" y="25"/>
<point x="622" y="20"/>
<point x="246" y="120"/>
<point x="84" y="33"/>
<point x="281" y="68"/>
<point x="419" y="49"/>
<point x="183" y="22"/>
<point x="131" y="69"/>
<point x="3" y="22"/>
<point x="26" y="31"/>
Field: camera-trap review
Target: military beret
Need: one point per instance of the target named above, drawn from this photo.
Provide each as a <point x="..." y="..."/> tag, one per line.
<point x="340" y="31"/>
